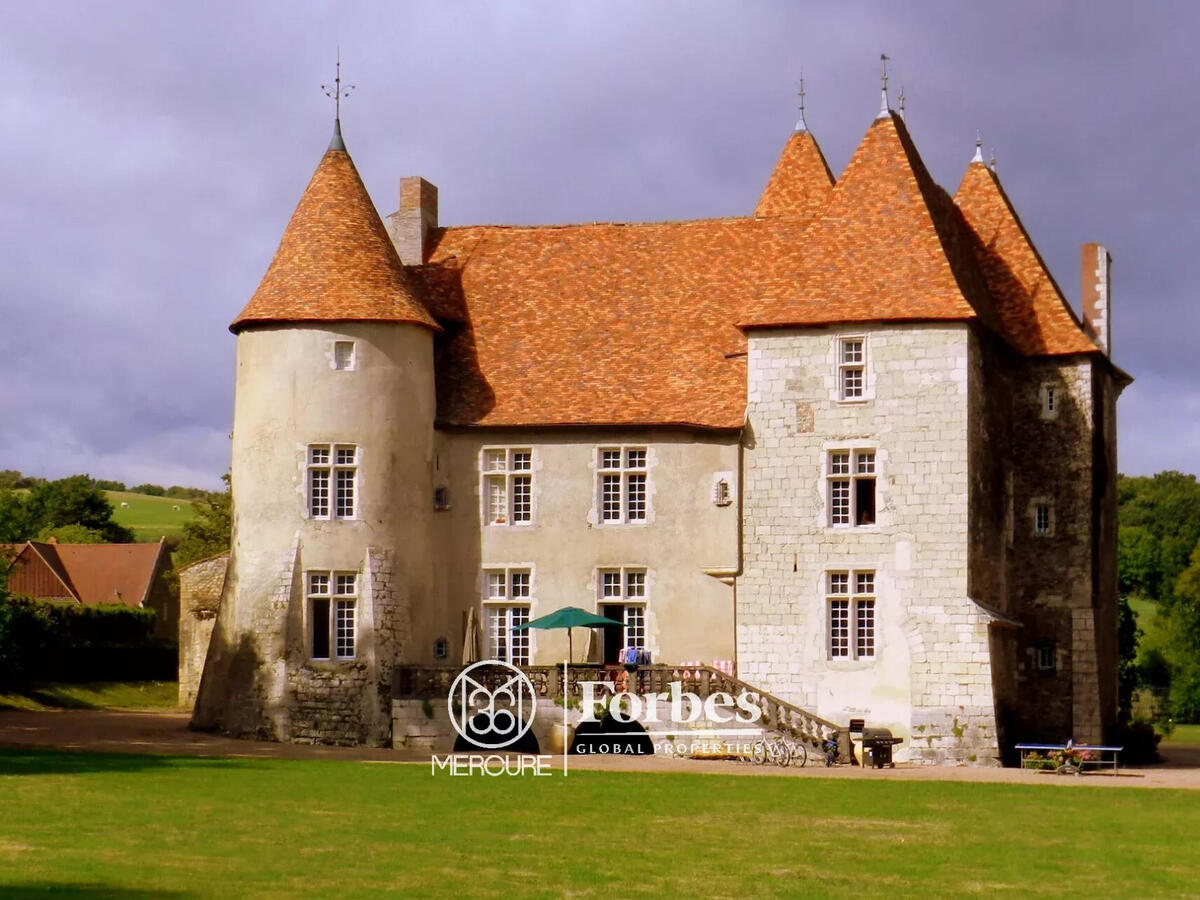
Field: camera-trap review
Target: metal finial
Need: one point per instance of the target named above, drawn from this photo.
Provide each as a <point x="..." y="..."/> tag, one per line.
<point x="335" y="91"/>
<point x="992" y="161"/>
<point x="800" y="124"/>
<point x="884" y="112"/>
<point x="901" y="99"/>
<point x="978" y="157"/>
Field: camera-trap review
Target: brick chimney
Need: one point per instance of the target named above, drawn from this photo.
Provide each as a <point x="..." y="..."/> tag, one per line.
<point x="1096" y="271"/>
<point x="417" y="217"/>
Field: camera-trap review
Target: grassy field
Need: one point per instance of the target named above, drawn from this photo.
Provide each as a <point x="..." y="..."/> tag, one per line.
<point x="150" y="517"/>
<point x="1184" y="734"/>
<point x="142" y="826"/>
<point x="95" y="695"/>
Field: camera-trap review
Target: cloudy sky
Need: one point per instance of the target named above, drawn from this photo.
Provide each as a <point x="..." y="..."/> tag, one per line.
<point x="154" y="151"/>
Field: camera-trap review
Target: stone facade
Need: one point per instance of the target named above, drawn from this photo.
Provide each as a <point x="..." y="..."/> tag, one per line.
<point x="929" y="679"/>
<point x="200" y="586"/>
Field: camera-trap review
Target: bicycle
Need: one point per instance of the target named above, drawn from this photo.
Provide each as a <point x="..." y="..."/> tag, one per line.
<point x="773" y="750"/>
<point x="797" y="752"/>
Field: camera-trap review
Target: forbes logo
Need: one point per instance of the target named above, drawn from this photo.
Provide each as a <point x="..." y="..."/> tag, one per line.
<point x="682" y="707"/>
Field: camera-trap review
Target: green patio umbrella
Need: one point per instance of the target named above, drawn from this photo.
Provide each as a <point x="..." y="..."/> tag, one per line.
<point x="569" y="617"/>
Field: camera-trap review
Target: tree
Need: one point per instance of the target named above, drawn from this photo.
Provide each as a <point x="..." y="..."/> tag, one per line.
<point x="71" y="534"/>
<point x="153" y="490"/>
<point x="1159" y="526"/>
<point x="209" y="533"/>
<point x="72" y="501"/>
<point x="9" y="479"/>
<point x="15" y="526"/>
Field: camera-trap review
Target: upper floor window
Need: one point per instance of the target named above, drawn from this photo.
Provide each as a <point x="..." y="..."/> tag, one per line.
<point x="508" y="486"/>
<point x="622" y="479"/>
<point x="850" y="598"/>
<point x="851" y="477"/>
<point x="332" y="476"/>
<point x="1043" y="518"/>
<point x="1051" y="400"/>
<point x="332" y="614"/>
<point x="852" y="367"/>
<point x="506" y="600"/>
<point x="343" y="355"/>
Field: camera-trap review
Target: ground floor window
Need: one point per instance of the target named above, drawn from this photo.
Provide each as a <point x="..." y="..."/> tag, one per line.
<point x="850" y="600"/>
<point x="504" y="642"/>
<point x="622" y="598"/>
<point x="332" y="614"/>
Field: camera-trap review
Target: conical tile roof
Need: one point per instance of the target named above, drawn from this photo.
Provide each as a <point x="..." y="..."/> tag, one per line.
<point x="800" y="182"/>
<point x="335" y="261"/>
<point x="890" y="246"/>
<point x="1034" y="316"/>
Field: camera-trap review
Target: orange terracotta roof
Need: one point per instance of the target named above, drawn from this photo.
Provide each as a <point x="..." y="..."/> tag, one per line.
<point x="95" y="574"/>
<point x="1035" y="317"/>
<point x="890" y="246"/>
<point x="110" y="573"/>
<point x="605" y="324"/>
<point x="335" y="261"/>
<point x="800" y="182"/>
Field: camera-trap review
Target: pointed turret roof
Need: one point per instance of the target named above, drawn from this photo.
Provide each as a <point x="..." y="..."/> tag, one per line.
<point x="335" y="261"/>
<point x="890" y="246"/>
<point x="800" y="183"/>
<point x="1035" y="317"/>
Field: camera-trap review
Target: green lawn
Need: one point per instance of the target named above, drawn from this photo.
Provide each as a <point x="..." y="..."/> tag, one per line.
<point x="1184" y="734"/>
<point x="150" y="517"/>
<point x="95" y="695"/>
<point x="141" y="826"/>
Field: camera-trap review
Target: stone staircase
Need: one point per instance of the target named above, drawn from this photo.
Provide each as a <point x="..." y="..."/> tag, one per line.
<point x="420" y="717"/>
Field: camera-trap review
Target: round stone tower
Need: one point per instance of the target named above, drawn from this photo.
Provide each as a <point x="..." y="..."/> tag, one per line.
<point x="332" y="479"/>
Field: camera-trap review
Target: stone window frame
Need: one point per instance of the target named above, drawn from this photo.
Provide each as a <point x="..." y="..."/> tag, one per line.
<point x="331" y="481"/>
<point x="828" y="476"/>
<point x="338" y="591"/>
<point x="1045" y="657"/>
<point x="343" y="360"/>
<point x="633" y="593"/>
<point x="843" y="365"/>
<point x="516" y="594"/>
<point x="1050" y="400"/>
<point x="630" y="473"/>
<point x="854" y="592"/>
<point x="1042" y="526"/>
<point x="506" y="485"/>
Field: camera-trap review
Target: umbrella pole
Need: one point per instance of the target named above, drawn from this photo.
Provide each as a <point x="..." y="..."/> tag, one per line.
<point x="570" y="648"/>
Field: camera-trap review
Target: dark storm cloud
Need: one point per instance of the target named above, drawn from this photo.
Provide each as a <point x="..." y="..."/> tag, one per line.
<point x="154" y="152"/>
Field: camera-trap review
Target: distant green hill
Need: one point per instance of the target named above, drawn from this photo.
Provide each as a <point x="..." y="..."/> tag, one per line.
<point x="150" y="517"/>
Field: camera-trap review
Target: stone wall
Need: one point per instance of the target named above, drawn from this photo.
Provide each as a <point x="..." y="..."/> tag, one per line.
<point x="930" y="678"/>
<point x="200" y="586"/>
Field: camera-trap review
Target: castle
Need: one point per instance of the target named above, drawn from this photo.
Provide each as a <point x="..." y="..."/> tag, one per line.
<point x="856" y="443"/>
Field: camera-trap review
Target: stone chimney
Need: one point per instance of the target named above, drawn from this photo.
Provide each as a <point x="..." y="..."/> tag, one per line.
<point x="417" y="217"/>
<point x="1096" y="270"/>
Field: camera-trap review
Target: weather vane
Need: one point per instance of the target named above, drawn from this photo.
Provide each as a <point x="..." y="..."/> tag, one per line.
<point x="800" y="125"/>
<point x="883" y="100"/>
<point x="335" y="91"/>
<point x="883" y="61"/>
